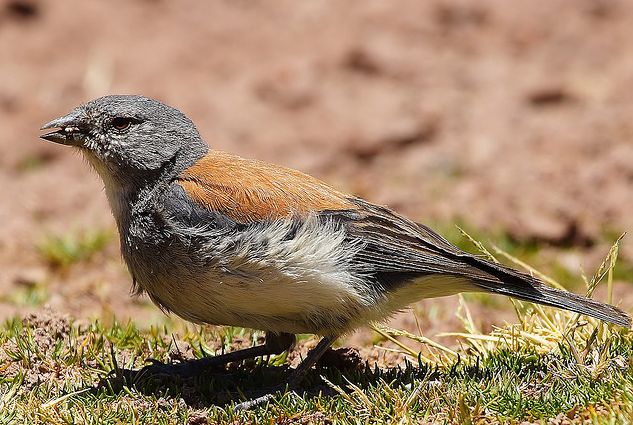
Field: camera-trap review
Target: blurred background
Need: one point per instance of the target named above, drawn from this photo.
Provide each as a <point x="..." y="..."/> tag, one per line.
<point x="512" y="119"/>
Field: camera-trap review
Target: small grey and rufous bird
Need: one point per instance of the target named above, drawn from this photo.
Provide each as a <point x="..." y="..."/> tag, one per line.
<point x="219" y="239"/>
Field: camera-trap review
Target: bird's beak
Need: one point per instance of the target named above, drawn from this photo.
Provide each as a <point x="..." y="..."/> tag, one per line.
<point x="70" y="129"/>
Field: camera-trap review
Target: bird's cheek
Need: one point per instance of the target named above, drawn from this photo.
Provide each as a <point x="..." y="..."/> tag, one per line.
<point x="93" y="143"/>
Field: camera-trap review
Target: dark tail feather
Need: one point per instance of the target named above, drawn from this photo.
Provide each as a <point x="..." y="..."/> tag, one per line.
<point x="543" y="294"/>
<point x="525" y="287"/>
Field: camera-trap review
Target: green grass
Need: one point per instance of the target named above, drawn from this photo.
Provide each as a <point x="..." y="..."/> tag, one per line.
<point x="60" y="252"/>
<point x="60" y="372"/>
<point x="28" y="294"/>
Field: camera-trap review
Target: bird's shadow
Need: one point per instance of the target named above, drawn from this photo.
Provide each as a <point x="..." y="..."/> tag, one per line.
<point x="244" y="381"/>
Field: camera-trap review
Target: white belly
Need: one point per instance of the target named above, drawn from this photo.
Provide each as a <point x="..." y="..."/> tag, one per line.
<point x="303" y="284"/>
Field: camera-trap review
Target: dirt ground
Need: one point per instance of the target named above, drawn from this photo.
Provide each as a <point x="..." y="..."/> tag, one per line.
<point x="503" y="115"/>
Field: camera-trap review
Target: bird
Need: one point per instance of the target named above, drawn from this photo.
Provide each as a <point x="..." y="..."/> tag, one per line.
<point x="218" y="239"/>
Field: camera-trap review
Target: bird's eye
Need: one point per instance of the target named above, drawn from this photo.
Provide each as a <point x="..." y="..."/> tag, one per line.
<point x="121" y="123"/>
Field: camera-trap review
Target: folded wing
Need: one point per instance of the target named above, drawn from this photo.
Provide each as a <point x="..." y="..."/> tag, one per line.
<point x="399" y="250"/>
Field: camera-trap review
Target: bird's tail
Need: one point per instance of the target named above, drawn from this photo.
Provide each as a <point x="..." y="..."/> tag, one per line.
<point x="525" y="287"/>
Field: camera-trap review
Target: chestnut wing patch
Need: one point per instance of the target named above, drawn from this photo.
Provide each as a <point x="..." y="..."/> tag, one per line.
<point x="249" y="191"/>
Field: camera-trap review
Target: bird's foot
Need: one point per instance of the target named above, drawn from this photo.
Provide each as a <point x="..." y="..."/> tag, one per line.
<point x="184" y="370"/>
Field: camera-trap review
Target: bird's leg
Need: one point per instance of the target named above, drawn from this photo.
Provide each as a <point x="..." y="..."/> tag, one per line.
<point x="297" y="376"/>
<point x="275" y="344"/>
<point x="311" y="359"/>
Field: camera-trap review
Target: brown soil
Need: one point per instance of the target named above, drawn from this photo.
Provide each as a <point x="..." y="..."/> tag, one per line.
<point x="507" y="115"/>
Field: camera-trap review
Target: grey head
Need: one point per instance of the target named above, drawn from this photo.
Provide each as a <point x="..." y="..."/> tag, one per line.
<point x="129" y="139"/>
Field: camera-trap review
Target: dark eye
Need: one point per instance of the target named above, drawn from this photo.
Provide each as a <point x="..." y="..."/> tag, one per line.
<point x="121" y="123"/>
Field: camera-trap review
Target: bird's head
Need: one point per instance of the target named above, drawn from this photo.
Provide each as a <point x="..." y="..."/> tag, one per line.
<point x="128" y="138"/>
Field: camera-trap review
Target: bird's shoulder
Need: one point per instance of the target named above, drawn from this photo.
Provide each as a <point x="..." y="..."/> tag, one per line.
<point x="249" y="190"/>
